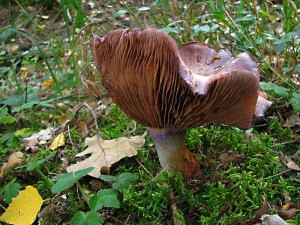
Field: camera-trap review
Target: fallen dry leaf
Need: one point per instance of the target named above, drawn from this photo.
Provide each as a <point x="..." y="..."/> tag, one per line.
<point x="13" y="161"/>
<point x="292" y="165"/>
<point x="296" y="156"/>
<point x="290" y="205"/>
<point x="58" y="141"/>
<point x="40" y="138"/>
<point x="263" y="209"/>
<point x="272" y="220"/>
<point x="82" y="128"/>
<point x="106" y="152"/>
<point x="232" y="157"/>
<point x="24" y="208"/>
<point x="282" y="158"/>
<point x="292" y="120"/>
<point x="63" y="119"/>
<point x="287" y="214"/>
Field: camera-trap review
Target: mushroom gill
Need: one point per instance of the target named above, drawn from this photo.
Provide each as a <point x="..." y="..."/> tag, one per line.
<point x="170" y="90"/>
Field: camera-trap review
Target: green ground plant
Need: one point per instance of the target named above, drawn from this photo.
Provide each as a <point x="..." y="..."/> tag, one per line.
<point x="54" y="74"/>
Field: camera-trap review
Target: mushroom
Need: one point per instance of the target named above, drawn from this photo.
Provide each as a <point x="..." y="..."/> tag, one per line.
<point x="170" y="89"/>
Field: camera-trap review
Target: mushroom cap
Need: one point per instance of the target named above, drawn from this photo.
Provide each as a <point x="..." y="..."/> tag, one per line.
<point x="161" y="86"/>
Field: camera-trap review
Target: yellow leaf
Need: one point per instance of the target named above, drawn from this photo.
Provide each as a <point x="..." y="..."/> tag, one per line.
<point x="58" y="141"/>
<point x="23" y="208"/>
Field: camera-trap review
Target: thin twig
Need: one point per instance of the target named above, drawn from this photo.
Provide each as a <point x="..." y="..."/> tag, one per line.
<point x="127" y="219"/>
<point x="70" y="138"/>
<point x="97" y="129"/>
<point x="130" y="12"/>
<point x="174" y="210"/>
<point x="275" y="175"/>
<point x="286" y="143"/>
<point x="143" y="166"/>
<point x="2" y="207"/>
<point x="95" y="118"/>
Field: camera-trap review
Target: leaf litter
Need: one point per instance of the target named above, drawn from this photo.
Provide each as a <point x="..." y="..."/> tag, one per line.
<point x="13" y="161"/>
<point x="104" y="153"/>
<point x="40" y="138"/>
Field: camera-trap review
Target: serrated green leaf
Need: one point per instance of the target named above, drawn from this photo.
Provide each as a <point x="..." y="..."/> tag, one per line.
<point x="95" y="203"/>
<point x="119" y="13"/>
<point x="143" y="9"/>
<point x="23" y="133"/>
<point x="13" y="100"/>
<point x="128" y="176"/>
<point x="108" y="178"/>
<point x="104" y="198"/>
<point x="7" y="119"/>
<point x="27" y="105"/>
<point x="281" y="91"/>
<point x="266" y="86"/>
<point x="10" y="191"/>
<point x="124" y="180"/>
<point x="278" y="90"/>
<point x="78" y="218"/>
<point x="32" y="166"/>
<point x="295" y="100"/>
<point x="9" y="139"/>
<point x="3" y="111"/>
<point x="67" y="180"/>
<point x="6" y="34"/>
<point x="109" y="198"/>
<point x="106" y="192"/>
<point x="169" y="30"/>
<point x="93" y="218"/>
<point x="89" y="218"/>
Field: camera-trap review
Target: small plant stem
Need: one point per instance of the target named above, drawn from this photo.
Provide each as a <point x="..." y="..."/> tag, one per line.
<point x="1" y="206"/>
<point x="14" y="65"/>
<point x="129" y="10"/>
<point x="174" y="211"/>
<point x="94" y="117"/>
<point x="45" y="178"/>
<point x="277" y="174"/>
<point x="29" y="17"/>
<point x="147" y="171"/>
<point x="84" y="195"/>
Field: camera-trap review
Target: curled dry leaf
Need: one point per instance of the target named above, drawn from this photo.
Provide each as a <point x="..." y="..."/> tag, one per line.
<point x="292" y="165"/>
<point x="296" y="156"/>
<point x="13" y="161"/>
<point x="58" y="141"/>
<point x="259" y="213"/>
<point x="104" y="153"/>
<point x="287" y="213"/>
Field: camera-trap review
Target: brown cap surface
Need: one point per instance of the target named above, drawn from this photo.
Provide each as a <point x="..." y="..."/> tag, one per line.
<point x="161" y="86"/>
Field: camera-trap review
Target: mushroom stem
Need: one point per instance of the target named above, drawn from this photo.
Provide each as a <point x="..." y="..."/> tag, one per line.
<point x="173" y="153"/>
